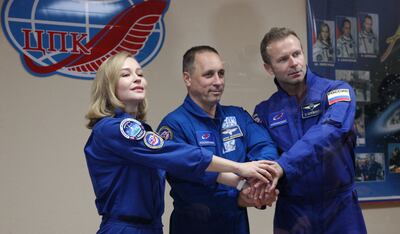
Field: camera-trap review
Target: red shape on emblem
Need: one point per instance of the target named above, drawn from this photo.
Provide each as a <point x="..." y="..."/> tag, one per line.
<point x="128" y="31"/>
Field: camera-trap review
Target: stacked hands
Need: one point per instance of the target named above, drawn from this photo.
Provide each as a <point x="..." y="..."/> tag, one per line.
<point x="260" y="188"/>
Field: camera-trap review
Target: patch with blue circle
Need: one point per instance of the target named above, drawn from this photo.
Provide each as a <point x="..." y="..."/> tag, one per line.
<point x="72" y="38"/>
<point x="132" y="129"/>
<point x="153" y="141"/>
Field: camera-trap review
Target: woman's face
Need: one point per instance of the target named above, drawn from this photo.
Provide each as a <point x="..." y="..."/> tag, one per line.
<point x="324" y="33"/>
<point x="131" y="86"/>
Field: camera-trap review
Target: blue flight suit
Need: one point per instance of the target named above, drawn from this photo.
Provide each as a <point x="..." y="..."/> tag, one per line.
<point x="317" y="139"/>
<point x="128" y="177"/>
<point x="209" y="207"/>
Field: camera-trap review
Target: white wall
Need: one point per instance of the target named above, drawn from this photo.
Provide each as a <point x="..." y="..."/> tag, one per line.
<point x="45" y="186"/>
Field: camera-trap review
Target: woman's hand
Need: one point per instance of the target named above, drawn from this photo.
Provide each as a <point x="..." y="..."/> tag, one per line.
<point x="262" y="170"/>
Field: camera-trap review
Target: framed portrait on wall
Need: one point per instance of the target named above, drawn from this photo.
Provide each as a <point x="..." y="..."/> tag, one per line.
<point x="365" y="46"/>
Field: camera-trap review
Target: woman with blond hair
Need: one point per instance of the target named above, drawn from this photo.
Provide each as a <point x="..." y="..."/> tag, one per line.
<point x="322" y="49"/>
<point x="126" y="159"/>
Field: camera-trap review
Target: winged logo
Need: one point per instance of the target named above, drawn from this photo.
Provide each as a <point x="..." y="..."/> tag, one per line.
<point x="229" y="131"/>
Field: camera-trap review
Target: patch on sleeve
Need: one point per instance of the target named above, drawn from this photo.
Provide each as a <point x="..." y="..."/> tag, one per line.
<point x="338" y="95"/>
<point x="153" y="141"/>
<point x="132" y="129"/>
<point x="256" y="118"/>
<point x="166" y="133"/>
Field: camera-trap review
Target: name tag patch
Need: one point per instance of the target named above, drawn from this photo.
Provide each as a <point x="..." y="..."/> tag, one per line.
<point x="231" y="133"/>
<point x="338" y="95"/>
<point x="311" y="110"/>
<point x="205" y="138"/>
<point x="277" y="119"/>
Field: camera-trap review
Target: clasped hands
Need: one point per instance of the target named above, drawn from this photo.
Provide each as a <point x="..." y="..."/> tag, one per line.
<point x="259" y="192"/>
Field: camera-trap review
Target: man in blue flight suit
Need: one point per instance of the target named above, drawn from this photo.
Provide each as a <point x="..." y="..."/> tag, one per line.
<point x="228" y="131"/>
<point x="311" y="120"/>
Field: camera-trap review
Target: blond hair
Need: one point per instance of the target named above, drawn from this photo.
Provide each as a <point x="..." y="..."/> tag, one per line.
<point x="103" y="98"/>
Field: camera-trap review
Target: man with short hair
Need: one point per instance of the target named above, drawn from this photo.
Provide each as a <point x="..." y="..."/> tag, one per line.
<point x="346" y="46"/>
<point x="228" y="131"/>
<point x="311" y="120"/>
<point x="367" y="40"/>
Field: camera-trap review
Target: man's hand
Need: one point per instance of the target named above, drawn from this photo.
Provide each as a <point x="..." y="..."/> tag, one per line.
<point x="256" y="194"/>
<point x="278" y="170"/>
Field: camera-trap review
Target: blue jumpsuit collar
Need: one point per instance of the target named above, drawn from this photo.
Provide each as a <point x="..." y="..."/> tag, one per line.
<point x="310" y="79"/>
<point x="120" y="113"/>
<point x="195" y="109"/>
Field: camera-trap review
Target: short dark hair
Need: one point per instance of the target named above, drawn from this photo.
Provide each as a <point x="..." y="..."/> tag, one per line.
<point x="344" y="22"/>
<point x="189" y="56"/>
<point x="368" y="17"/>
<point x="274" y="34"/>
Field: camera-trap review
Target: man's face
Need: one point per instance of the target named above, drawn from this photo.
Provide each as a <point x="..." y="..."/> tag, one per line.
<point x="287" y="61"/>
<point x="368" y="25"/>
<point x="372" y="158"/>
<point x="206" y="82"/>
<point x="346" y="29"/>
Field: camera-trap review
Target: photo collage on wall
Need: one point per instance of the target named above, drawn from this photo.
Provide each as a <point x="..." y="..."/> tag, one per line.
<point x="359" y="42"/>
<point x="345" y="39"/>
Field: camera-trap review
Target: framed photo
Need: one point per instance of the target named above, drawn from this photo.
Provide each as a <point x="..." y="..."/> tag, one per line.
<point x="355" y="43"/>
<point x="394" y="158"/>
<point x="370" y="167"/>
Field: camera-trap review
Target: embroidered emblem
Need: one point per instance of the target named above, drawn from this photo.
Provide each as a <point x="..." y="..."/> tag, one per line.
<point x="338" y="95"/>
<point x="231" y="133"/>
<point x="229" y="121"/>
<point x="229" y="146"/>
<point x="256" y="118"/>
<point x="132" y="129"/>
<point x="311" y="110"/>
<point x="153" y="141"/>
<point x="277" y="119"/>
<point x="205" y="138"/>
<point x="166" y="133"/>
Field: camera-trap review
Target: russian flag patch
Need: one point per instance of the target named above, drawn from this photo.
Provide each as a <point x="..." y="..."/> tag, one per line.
<point x="338" y="95"/>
